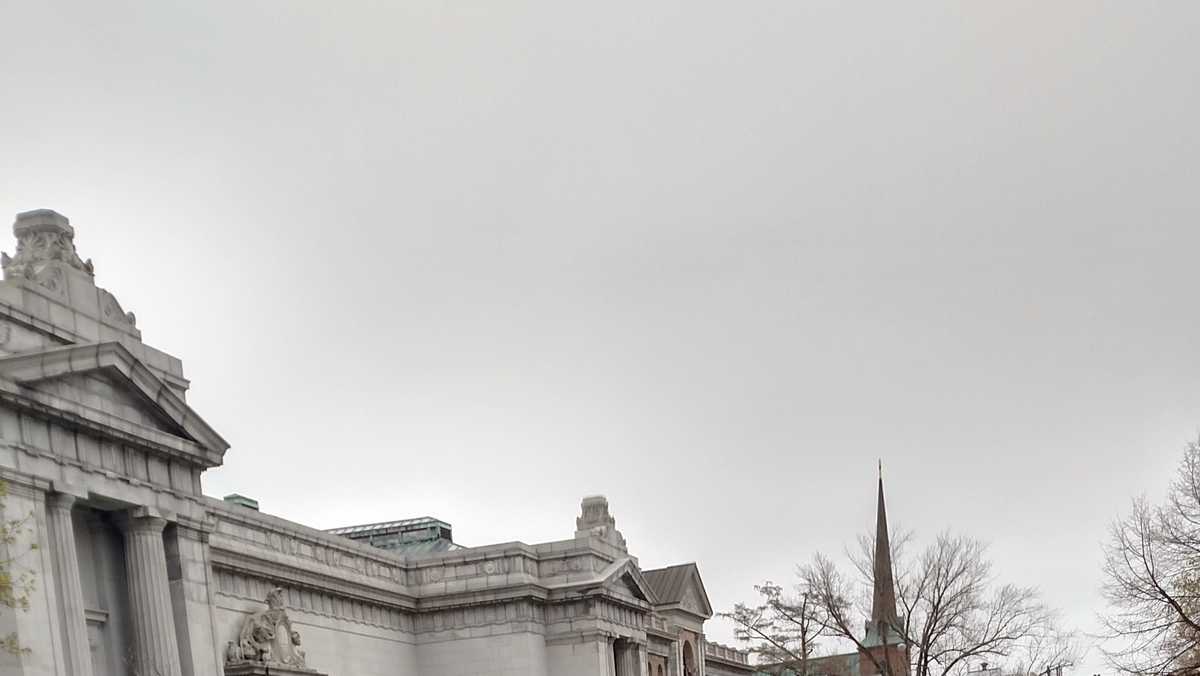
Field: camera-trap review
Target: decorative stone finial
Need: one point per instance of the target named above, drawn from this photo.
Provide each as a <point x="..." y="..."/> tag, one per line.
<point x="46" y="261"/>
<point x="44" y="236"/>
<point x="595" y="521"/>
<point x="42" y="219"/>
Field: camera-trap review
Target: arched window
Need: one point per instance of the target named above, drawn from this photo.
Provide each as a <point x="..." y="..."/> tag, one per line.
<point x="689" y="660"/>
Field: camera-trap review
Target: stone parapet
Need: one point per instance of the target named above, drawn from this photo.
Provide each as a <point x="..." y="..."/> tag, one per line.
<point x="725" y="653"/>
<point x="242" y="538"/>
<point x="557" y="590"/>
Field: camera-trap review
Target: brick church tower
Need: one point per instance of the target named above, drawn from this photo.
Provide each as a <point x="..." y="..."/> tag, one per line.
<point x="883" y="644"/>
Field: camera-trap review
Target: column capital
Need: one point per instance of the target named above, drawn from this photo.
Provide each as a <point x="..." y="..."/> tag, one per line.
<point x="142" y="520"/>
<point x="79" y="490"/>
<point x="60" y="501"/>
<point x="24" y="485"/>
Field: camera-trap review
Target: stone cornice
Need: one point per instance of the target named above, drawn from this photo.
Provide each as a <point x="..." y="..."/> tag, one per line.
<point x="239" y="588"/>
<point x="25" y="485"/>
<point x="251" y="564"/>
<point x="184" y="506"/>
<point x="99" y="423"/>
<point x="471" y="554"/>
<point x="450" y="601"/>
<point x="236" y="514"/>
<point x="42" y="326"/>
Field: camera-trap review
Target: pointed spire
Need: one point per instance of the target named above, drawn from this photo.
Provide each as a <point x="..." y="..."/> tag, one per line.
<point x="883" y="604"/>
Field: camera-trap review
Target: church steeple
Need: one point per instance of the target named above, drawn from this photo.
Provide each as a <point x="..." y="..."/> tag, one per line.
<point x="883" y="603"/>
<point x="885" y="652"/>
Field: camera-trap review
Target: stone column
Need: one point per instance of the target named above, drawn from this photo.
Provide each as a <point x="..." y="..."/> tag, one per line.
<point x="76" y="651"/>
<point x="156" y="649"/>
<point x="630" y="658"/>
<point x="620" y="658"/>
<point x="642" y="659"/>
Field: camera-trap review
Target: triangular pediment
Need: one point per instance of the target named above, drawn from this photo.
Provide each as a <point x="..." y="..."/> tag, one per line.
<point x="625" y="577"/>
<point x="107" y="377"/>
<point x="106" y="390"/>
<point x="633" y="588"/>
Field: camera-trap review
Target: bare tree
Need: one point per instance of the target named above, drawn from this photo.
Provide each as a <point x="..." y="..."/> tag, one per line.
<point x="835" y="593"/>
<point x="951" y="610"/>
<point x="1152" y="580"/>
<point x="781" y="628"/>
<point x="1046" y="652"/>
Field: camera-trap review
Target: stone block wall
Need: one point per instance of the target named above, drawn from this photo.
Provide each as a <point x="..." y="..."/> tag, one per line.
<point x="579" y="655"/>
<point x="504" y="653"/>
<point x="334" y="645"/>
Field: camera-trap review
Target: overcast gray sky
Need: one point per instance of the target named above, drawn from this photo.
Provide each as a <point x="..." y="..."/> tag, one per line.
<point x="712" y="259"/>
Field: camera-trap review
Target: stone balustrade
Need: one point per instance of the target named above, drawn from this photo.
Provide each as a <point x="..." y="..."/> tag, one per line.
<point x="724" y="652"/>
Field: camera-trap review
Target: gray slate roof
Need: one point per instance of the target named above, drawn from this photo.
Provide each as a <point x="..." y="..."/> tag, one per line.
<point x="669" y="583"/>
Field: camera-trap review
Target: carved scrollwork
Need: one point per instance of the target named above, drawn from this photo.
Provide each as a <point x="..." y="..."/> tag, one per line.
<point x="113" y="311"/>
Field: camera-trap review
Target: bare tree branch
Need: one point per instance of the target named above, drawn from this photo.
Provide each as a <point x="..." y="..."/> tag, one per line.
<point x="952" y="611"/>
<point x="1152" y="580"/>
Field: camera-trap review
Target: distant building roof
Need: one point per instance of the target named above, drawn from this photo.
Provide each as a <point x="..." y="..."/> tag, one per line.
<point x="422" y="535"/>
<point x="242" y="500"/>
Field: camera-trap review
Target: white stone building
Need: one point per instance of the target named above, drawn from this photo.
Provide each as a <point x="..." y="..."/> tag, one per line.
<point x="136" y="571"/>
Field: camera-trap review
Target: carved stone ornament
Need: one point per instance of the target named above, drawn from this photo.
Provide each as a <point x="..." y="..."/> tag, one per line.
<point x="268" y="640"/>
<point x="596" y="521"/>
<point x="43" y="237"/>
<point x="112" y="309"/>
<point x="46" y="256"/>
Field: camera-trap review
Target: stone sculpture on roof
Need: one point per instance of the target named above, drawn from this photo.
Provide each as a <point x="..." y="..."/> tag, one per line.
<point x="43" y="236"/>
<point x="596" y="521"/>
<point x="46" y="256"/>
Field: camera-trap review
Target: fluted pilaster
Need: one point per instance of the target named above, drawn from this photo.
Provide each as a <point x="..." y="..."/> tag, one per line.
<point x="76" y="652"/>
<point x="627" y="658"/>
<point x="156" y="649"/>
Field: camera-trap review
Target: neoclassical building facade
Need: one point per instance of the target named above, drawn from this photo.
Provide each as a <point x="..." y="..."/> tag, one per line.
<point x="134" y="571"/>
